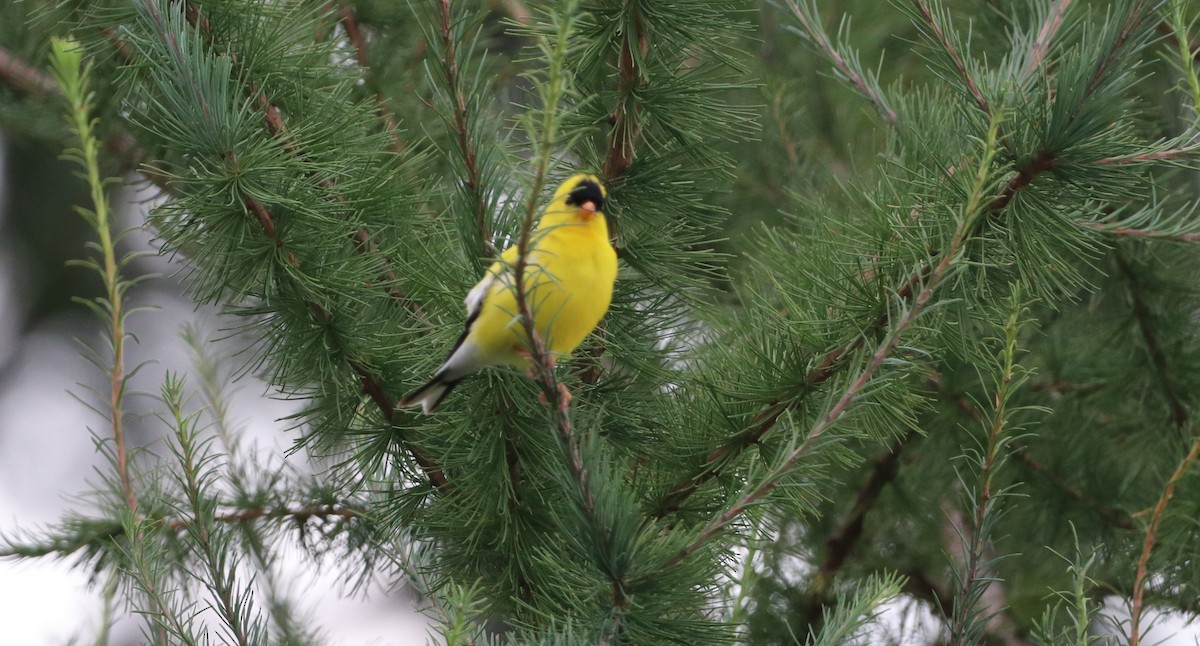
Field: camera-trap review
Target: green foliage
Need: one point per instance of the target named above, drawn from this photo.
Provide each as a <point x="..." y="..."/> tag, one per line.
<point x="800" y="386"/>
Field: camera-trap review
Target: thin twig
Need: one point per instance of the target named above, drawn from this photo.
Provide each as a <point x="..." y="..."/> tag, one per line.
<point x="349" y="21"/>
<point x="1041" y="44"/>
<point x="24" y="77"/>
<point x="1158" y="155"/>
<point x="960" y="66"/>
<point x="1158" y="357"/>
<point x="1114" y="516"/>
<point x="297" y="515"/>
<point x="71" y="83"/>
<point x="461" y="122"/>
<point x="821" y="40"/>
<point x="1139" y="581"/>
<point x="841" y="541"/>
<point x="1148" y="234"/>
<point x="1179" y="416"/>
<point x="556" y="394"/>
<point x="975" y="539"/>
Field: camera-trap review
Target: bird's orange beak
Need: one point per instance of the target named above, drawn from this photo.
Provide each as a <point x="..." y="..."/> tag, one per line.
<point x="587" y="210"/>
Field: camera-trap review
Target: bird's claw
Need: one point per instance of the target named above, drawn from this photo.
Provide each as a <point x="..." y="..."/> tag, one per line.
<point x="564" y="398"/>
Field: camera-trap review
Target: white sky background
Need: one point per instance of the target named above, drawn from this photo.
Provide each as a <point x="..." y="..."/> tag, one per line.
<point x="47" y="458"/>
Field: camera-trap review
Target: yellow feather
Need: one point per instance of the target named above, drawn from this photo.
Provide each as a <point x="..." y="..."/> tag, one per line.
<point x="569" y="276"/>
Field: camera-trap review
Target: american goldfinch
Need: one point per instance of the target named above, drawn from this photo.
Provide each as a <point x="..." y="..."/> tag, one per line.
<point x="568" y="277"/>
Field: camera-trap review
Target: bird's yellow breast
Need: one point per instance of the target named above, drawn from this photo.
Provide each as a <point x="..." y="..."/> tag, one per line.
<point x="569" y="281"/>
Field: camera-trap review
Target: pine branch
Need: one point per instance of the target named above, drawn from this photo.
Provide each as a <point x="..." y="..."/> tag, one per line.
<point x="72" y="78"/>
<point x="622" y="145"/>
<point x="461" y="124"/>
<point x="555" y="393"/>
<point x="1114" y="516"/>
<point x="97" y="532"/>
<point x="209" y="546"/>
<point x="933" y="22"/>
<point x="833" y="362"/>
<point x="623" y="136"/>
<point x="1183" y="152"/>
<point x="349" y="22"/>
<point x="276" y="126"/>
<point x="1179" y="416"/>
<point x="1148" y="328"/>
<point x="841" y="541"/>
<point x="1146" y="234"/>
<point x="806" y="13"/>
<point x="1138" y="13"/>
<point x="1041" y="44"/>
<point x="972" y="603"/>
<point x="972" y="211"/>
<point x="1139" y="581"/>
<point x="239" y="477"/>
<point x="24" y="77"/>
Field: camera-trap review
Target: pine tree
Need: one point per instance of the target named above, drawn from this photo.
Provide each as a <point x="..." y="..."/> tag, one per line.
<point x="918" y="331"/>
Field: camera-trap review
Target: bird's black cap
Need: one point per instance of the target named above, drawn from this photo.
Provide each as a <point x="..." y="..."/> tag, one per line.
<point x="586" y="191"/>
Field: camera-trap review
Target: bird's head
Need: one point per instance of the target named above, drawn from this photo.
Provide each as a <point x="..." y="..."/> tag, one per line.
<point x="583" y="195"/>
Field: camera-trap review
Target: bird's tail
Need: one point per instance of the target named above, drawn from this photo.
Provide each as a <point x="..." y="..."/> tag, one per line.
<point x="431" y="394"/>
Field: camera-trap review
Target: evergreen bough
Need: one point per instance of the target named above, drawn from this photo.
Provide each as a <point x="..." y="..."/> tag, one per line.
<point x="967" y="346"/>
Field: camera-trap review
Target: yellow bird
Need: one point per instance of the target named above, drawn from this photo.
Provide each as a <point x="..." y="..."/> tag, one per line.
<point x="569" y="276"/>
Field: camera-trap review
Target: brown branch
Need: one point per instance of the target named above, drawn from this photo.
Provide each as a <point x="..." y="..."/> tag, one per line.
<point x="1114" y="516"/>
<point x="960" y="66"/>
<point x="1179" y="416"/>
<point x="300" y="515"/>
<point x="622" y="142"/>
<point x="1041" y="44"/>
<point x="1132" y="21"/>
<point x="622" y="139"/>
<point x="349" y="20"/>
<point x="1158" y="358"/>
<point x="25" y="77"/>
<point x="1139" y="581"/>
<point x="833" y="362"/>
<point x="842" y="541"/>
<point x="1041" y="162"/>
<point x="114" y="529"/>
<point x="821" y="40"/>
<point x="1147" y="234"/>
<point x="1158" y="155"/>
<point x="462" y="129"/>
